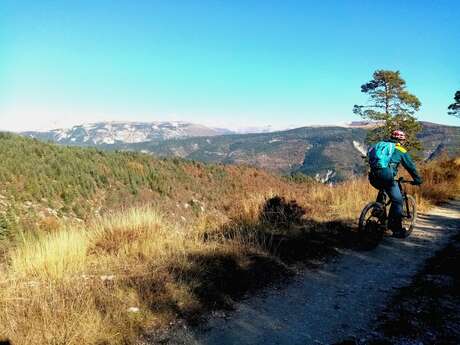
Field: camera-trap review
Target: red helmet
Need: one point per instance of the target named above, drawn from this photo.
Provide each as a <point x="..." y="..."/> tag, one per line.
<point x="397" y="134"/>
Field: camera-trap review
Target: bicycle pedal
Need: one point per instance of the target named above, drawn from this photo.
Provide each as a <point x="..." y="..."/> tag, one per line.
<point x="377" y="213"/>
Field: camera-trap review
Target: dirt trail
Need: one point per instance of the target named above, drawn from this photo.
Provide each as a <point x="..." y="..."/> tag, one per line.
<point x="338" y="300"/>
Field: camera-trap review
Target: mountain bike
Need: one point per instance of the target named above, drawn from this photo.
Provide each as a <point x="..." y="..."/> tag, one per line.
<point x="373" y="220"/>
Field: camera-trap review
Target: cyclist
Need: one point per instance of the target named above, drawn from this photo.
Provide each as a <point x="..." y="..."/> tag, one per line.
<point x="384" y="159"/>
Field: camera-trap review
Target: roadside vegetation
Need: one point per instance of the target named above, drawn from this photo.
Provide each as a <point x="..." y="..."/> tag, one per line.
<point x="141" y="242"/>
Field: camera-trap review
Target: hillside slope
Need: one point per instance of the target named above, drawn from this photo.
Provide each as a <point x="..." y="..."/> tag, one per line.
<point x="48" y="181"/>
<point x="324" y="152"/>
<point x="309" y="150"/>
<point x="437" y="139"/>
<point x="327" y="153"/>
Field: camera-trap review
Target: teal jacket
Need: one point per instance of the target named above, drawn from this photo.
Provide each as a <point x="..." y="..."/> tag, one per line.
<point x="401" y="156"/>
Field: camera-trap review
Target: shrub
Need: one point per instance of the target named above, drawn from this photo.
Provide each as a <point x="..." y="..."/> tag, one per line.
<point x="279" y="212"/>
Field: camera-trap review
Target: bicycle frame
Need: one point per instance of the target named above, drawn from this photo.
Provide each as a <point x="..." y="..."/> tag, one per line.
<point x="375" y="213"/>
<point x="404" y="195"/>
<point x="384" y="195"/>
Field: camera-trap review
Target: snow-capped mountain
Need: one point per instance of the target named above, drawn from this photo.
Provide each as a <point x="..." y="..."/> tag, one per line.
<point x="252" y="130"/>
<point x="125" y="132"/>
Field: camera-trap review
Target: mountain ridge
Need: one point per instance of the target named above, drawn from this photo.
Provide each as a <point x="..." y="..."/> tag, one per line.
<point x="328" y="153"/>
<point x="127" y="132"/>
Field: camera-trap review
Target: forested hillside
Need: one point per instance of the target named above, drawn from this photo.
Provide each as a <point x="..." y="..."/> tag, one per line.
<point x="329" y="153"/>
<point x="41" y="180"/>
<point x="326" y="153"/>
<point x="308" y="150"/>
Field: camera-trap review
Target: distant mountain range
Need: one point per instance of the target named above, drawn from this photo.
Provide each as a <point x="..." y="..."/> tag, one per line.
<point x="112" y="133"/>
<point x="327" y="153"/>
<point x="116" y="133"/>
<point x="324" y="152"/>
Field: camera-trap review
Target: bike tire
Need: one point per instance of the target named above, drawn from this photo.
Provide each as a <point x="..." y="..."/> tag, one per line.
<point x="371" y="224"/>
<point x="409" y="223"/>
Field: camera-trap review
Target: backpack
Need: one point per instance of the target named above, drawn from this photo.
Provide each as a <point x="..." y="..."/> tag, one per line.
<point x="380" y="154"/>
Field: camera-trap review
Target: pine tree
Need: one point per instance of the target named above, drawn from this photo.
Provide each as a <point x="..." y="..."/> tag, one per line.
<point x="454" y="108"/>
<point x="390" y="103"/>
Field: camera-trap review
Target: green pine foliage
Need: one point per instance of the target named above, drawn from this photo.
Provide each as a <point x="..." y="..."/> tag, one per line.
<point x="454" y="108"/>
<point x="31" y="170"/>
<point x="44" y="183"/>
<point x="390" y="102"/>
<point x="8" y="223"/>
<point x="74" y="182"/>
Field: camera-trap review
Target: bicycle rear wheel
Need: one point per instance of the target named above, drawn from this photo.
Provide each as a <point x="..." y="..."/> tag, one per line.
<point x="409" y="215"/>
<point x="372" y="223"/>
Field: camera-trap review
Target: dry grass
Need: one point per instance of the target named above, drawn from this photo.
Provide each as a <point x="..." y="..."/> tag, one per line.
<point x="106" y="282"/>
<point x="109" y="280"/>
<point x="441" y="181"/>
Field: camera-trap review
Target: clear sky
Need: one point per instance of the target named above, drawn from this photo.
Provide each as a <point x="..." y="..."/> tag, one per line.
<point x="224" y="63"/>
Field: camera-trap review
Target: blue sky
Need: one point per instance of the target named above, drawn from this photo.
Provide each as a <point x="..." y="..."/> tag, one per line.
<point x="223" y="63"/>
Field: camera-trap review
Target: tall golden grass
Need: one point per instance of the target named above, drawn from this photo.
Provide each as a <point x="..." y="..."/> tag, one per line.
<point x="109" y="280"/>
<point x="441" y="181"/>
<point x="83" y="285"/>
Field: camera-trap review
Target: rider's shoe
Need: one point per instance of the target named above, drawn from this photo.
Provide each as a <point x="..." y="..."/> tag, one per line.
<point x="401" y="233"/>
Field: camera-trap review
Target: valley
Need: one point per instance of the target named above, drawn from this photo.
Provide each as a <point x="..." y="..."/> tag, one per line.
<point x="324" y="153"/>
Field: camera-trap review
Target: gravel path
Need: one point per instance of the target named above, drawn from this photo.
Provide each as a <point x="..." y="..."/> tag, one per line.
<point x="338" y="300"/>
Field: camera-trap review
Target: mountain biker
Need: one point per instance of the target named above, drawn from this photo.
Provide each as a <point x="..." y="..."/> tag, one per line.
<point x="384" y="159"/>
